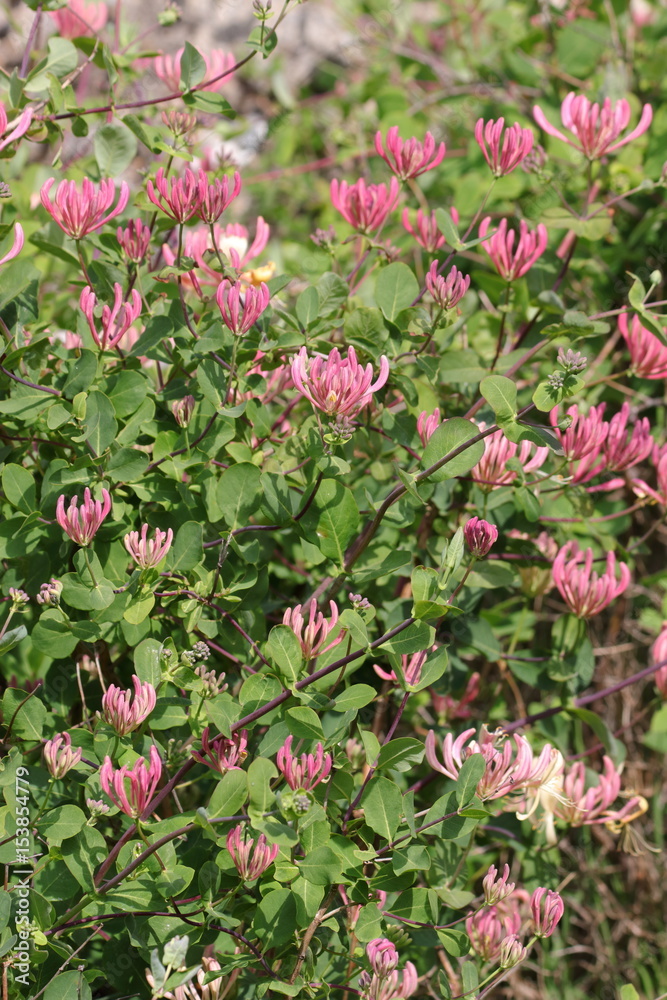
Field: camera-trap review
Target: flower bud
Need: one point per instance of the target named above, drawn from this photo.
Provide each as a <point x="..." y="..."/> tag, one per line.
<point x="511" y="952"/>
<point x="480" y="536"/>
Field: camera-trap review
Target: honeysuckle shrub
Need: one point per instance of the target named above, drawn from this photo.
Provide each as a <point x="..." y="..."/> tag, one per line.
<point x="317" y="524"/>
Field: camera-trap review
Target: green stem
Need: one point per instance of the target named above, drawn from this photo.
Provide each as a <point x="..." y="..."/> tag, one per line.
<point x="90" y="568"/>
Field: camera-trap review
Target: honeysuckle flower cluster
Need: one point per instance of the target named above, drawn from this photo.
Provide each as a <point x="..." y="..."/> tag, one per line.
<point x="491" y="471"/>
<point x="448" y="291"/>
<point x="251" y="858"/>
<point x="59" y="755"/>
<point x="426" y="231"/>
<point x="385" y="982"/>
<point x="49" y="593"/>
<point x="648" y="354"/>
<point x="503" y="148"/>
<point x="82" y="522"/>
<point x="427" y="424"/>
<point x="510" y="261"/>
<point x="497" y="888"/>
<point x="221" y="753"/>
<point x="125" y="713"/>
<point x="147" y="553"/>
<point x="411" y="668"/>
<point x="313" y="632"/>
<point x="586" y="592"/>
<point x="365" y="207"/>
<point x="132" y="788"/>
<point x="338" y="386"/>
<point x="409" y="158"/>
<point x="241" y="309"/>
<point x="306" y="771"/>
<point x="135" y="240"/>
<point x="183" y="410"/>
<point x="592" y="805"/>
<point x="480" y="536"/>
<point x="81" y="211"/>
<point x="596" y="129"/>
<point x="116" y="320"/>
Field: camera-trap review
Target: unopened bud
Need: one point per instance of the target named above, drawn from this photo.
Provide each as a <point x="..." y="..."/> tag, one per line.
<point x="183" y="410"/>
<point x="655" y="277"/>
<point x="511" y="952"/>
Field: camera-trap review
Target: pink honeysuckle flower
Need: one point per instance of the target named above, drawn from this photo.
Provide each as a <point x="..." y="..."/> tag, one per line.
<point x="306" y="771"/>
<point x="544" y="792"/>
<point x="449" y="708"/>
<point x="251" y="859"/>
<point x="503" y="157"/>
<point x="365" y="207"/>
<point x="595" y="129"/>
<point x="116" y="319"/>
<point x="183" y="410"/>
<point x="547" y="908"/>
<point x="382" y="956"/>
<point x="489" y="927"/>
<point x="411" y="668"/>
<point x="446" y="291"/>
<point x="148" y="553"/>
<point x="409" y="158"/>
<point x="491" y="471"/>
<point x="337" y="386"/>
<point x="79" y="19"/>
<point x="508" y="768"/>
<point x="622" y="452"/>
<point x="59" y="756"/>
<point x="131" y="789"/>
<point x="255" y="301"/>
<point x="177" y="197"/>
<point x="168" y="69"/>
<point x="585" y="435"/>
<point x="82" y="523"/>
<point x="647" y="353"/>
<point x="11" y="132"/>
<point x="134" y="240"/>
<point x="658" y="655"/>
<point x="480" y="536"/>
<point x="17" y="246"/>
<point x="427" y="424"/>
<point x="314" y="635"/>
<point x="510" y="262"/>
<point x="124" y="713"/>
<point x="81" y="212"/>
<point x="426" y="233"/>
<point x="215" y="196"/>
<point x="586" y="593"/>
<point x="221" y="753"/>
<point x="231" y="241"/>
<point x="497" y="888"/>
<point x="511" y="952"/>
<point x="590" y="806"/>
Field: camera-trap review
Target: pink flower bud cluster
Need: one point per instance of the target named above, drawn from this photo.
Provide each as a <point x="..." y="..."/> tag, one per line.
<point x="447" y="292"/>
<point x="411" y="668"/>
<point x="81" y="523"/>
<point x="647" y="353"/>
<point x="409" y="158"/>
<point x="131" y="789"/>
<point x="503" y="153"/>
<point x="59" y="756"/>
<point x="116" y="320"/>
<point x="148" y="553"/>
<point x="592" y="806"/>
<point x="125" y="714"/>
<point x="385" y="982"/>
<point x="427" y="233"/>
<point x="480" y="536"/>
<point x="337" y="386"/>
<point x="547" y="908"/>
<point x="585" y="592"/>
<point x="134" y="240"/>
<point x="427" y="424"/>
<point x="306" y="771"/>
<point x="192" y="194"/>
<point x="497" y="889"/>
<point x="364" y="207"/>
<point x="313" y="636"/>
<point x="593" y="445"/>
<point x="221" y="753"/>
<point x="509" y="261"/>
<point x="239" y="313"/>
<point x="80" y="212"/>
<point x="596" y="129"/>
<point x="490" y="927"/>
<point x="183" y="410"/>
<point x="491" y="471"/>
<point x="251" y="859"/>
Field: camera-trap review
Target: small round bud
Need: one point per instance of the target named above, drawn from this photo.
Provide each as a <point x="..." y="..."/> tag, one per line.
<point x="655" y="277"/>
<point x="480" y="536"/>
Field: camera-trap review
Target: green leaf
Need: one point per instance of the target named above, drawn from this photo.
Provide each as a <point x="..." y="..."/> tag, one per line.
<point x="210" y="102"/>
<point x="469" y="777"/>
<point x="546" y="395"/>
<point x="81" y="373"/>
<point x="382" y="804"/>
<point x="115" y="147"/>
<point x="83" y="596"/>
<point x="239" y="493"/>
<point x="12" y="638"/>
<point x="61" y="823"/>
<point x="449" y="436"/>
<point x="447" y="227"/>
<point x="261" y="773"/>
<point x="193" y="67"/>
<point x="395" y="289"/>
<point x="356" y="696"/>
<point x="68" y="986"/>
<point x="229" y="795"/>
<point x="308" y="306"/>
<point x="147" y="661"/>
<point x="401" y="754"/>
<point x="187" y="550"/>
<point x="469" y="978"/>
<point x="305" y="723"/>
<point x="321" y="866"/>
<point x="284" y="650"/>
<point x="628" y="992"/>
<point x="274" y="922"/>
<point x="19" y="488"/>
<point x="333" y="517"/>
<point x="412" y="639"/>
<point x="28" y="719"/>
<point x="100" y="426"/>
<point x="500" y="394"/>
<point x="333" y="293"/>
<point x="83" y="854"/>
<point x="62" y="59"/>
